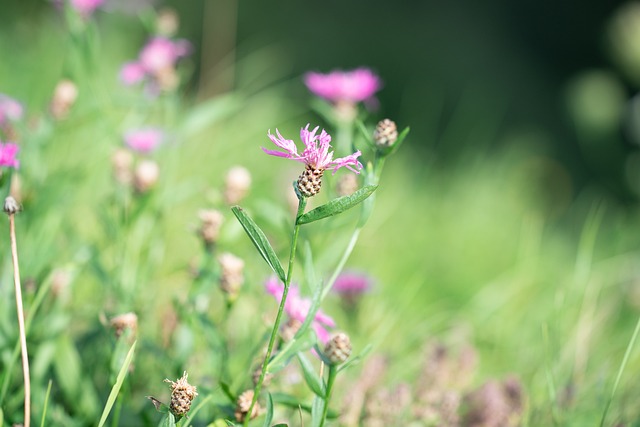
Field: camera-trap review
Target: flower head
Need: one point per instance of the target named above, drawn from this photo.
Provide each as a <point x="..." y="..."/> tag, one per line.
<point x="350" y="86"/>
<point x="144" y="140"/>
<point x="161" y="53"/>
<point x="86" y="7"/>
<point x="298" y="307"/>
<point x="8" y="152"/>
<point x="10" y="109"/>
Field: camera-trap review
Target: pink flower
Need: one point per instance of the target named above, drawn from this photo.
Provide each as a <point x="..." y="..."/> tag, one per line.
<point x="132" y="73"/>
<point x="86" y="7"/>
<point x="144" y="140"/>
<point x="161" y="53"/>
<point x="297" y="308"/>
<point x="351" y="86"/>
<point x="316" y="153"/>
<point x="352" y="283"/>
<point x="8" y="152"/>
<point x="10" y="109"/>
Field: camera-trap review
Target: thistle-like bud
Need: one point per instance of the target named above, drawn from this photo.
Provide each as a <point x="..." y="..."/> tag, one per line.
<point x="182" y="393"/>
<point x="167" y="22"/>
<point x="146" y="175"/>
<point x="237" y="184"/>
<point x="232" y="276"/>
<point x="122" y="164"/>
<point x="386" y="133"/>
<point x="64" y="96"/>
<point x="310" y="181"/>
<point x="347" y="184"/>
<point x="211" y="220"/>
<point x="243" y="404"/>
<point x="289" y="329"/>
<point x="11" y="206"/>
<point x="338" y="349"/>
<point x="124" y="321"/>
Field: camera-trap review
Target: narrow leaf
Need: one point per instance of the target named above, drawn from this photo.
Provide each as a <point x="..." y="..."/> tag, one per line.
<point x="44" y="410"/>
<point x="260" y="241"/>
<point x="337" y="206"/>
<point x="269" y="415"/>
<point x="168" y="421"/>
<point x="116" y="387"/>
<point x="311" y="377"/>
<point x="317" y="409"/>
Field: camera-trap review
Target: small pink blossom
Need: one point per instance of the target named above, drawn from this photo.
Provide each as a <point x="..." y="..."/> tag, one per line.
<point x="86" y="7"/>
<point x="350" y="86"/>
<point x="161" y="53"/>
<point x="132" y="73"/>
<point x="144" y="140"/>
<point x="10" y="109"/>
<point x="316" y="153"/>
<point x="298" y="307"/>
<point x="8" y="152"/>
<point x="352" y="283"/>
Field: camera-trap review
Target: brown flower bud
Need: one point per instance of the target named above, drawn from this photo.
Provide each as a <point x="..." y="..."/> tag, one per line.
<point x="338" y="349"/>
<point x="237" y="184"/>
<point x="122" y="164"/>
<point x="310" y="181"/>
<point x="182" y="393"/>
<point x="289" y="329"/>
<point x="243" y="404"/>
<point x="211" y="220"/>
<point x="64" y="96"/>
<point x="386" y="133"/>
<point x="167" y="22"/>
<point x="11" y="206"/>
<point x="146" y="175"/>
<point x="124" y="321"/>
<point x="232" y="276"/>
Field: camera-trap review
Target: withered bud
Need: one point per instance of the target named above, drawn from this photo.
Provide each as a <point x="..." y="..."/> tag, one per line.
<point x="124" y="321"/>
<point x="386" y="133"/>
<point x="122" y="164"/>
<point x="64" y="96"/>
<point x="289" y="329"/>
<point x="182" y="393"/>
<point x="232" y="276"/>
<point x="243" y="404"/>
<point x="237" y="184"/>
<point x="211" y="221"/>
<point x="338" y="349"/>
<point x="347" y="184"/>
<point x="167" y="22"/>
<point x="146" y="175"/>
<point x="11" y="206"/>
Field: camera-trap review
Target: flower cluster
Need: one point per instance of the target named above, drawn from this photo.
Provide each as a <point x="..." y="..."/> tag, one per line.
<point x="156" y="64"/>
<point x="298" y="307"/>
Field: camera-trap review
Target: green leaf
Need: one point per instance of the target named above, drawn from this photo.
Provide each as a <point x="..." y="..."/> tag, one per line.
<point x="317" y="409"/>
<point x="160" y="407"/>
<point x="269" y="415"/>
<point x="260" y="241"/>
<point x="168" y="421"/>
<point x="356" y="359"/>
<point x="116" y="387"/>
<point x="291" y="348"/>
<point x="292" y="402"/>
<point x="44" y="410"/>
<point x="208" y="113"/>
<point x="311" y="377"/>
<point x="337" y="206"/>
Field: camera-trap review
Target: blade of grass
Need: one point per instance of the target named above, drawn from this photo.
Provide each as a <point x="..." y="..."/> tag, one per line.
<point x="116" y="387"/>
<point x="46" y="403"/>
<point x="625" y="359"/>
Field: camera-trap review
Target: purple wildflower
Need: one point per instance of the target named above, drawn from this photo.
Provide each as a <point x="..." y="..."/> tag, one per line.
<point x="351" y="286"/>
<point x="10" y="109"/>
<point x="8" y="152"/>
<point x="316" y="154"/>
<point x="132" y="73"/>
<point x="298" y="307"/>
<point x="86" y="7"/>
<point x="344" y="86"/>
<point x="144" y="140"/>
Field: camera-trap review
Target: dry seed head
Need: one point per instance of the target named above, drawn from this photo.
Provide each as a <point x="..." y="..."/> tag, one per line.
<point x="64" y="96"/>
<point x="11" y="206"/>
<point x="310" y="181"/>
<point x="243" y="404"/>
<point x="124" y="321"/>
<point x="338" y="349"/>
<point x="211" y="221"/>
<point x="182" y="393"/>
<point x="386" y="133"/>
<point x="146" y="176"/>
<point x="237" y="184"/>
<point x="232" y="276"/>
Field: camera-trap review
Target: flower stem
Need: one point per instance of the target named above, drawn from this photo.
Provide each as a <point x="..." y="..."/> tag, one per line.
<point x="21" y="327"/>
<point x="332" y="376"/>
<point x="302" y="202"/>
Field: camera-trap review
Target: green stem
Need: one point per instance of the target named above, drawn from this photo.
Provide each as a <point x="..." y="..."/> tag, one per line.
<point x="302" y="202"/>
<point x="332" y="376"/>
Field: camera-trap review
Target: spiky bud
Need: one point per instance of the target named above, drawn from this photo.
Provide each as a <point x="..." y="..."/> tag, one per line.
<point x="124" y="321"/>
<point x="386" y="133"/>
<point x="243" y="404"/>
<point x="232" y="276"/>
<point x="310" y="181"/>
<point x="338" y="349"/>
<point x="237" y="184"/>
<point x="11" y="206"/>
<point x="182" y="393"/>
<point x="211" y="221"/>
